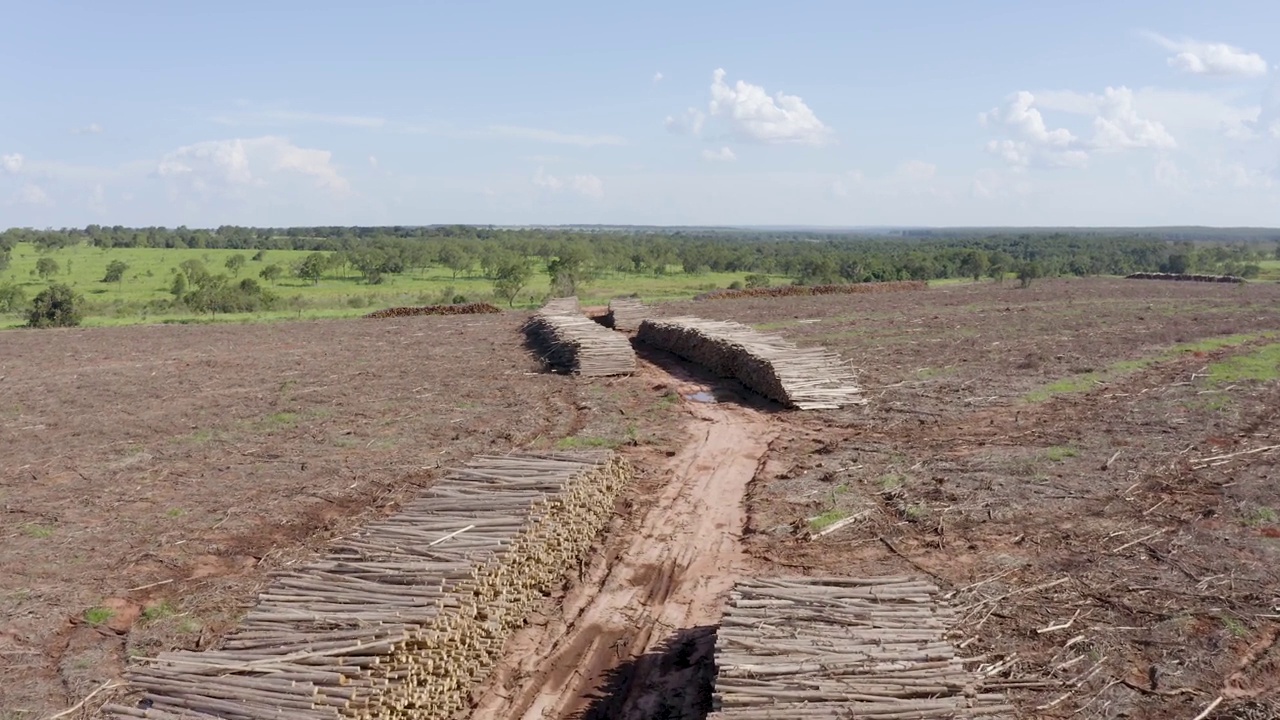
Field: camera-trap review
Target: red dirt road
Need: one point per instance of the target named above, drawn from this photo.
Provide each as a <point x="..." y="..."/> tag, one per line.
<point x="660" y="579"/>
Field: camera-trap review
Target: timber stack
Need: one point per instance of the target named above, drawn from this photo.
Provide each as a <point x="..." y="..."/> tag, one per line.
<point x="562" y="306"/>
<point x="403" y="619"/>
<point x="568" y="340"/>
<point x="459" y="309"/>
<point x="862" y="288"/>
<point x="626" y="314"/>
<point x="1186" y="277"/>
<point x="804" y="378"/>
<point x="808" y="648"/>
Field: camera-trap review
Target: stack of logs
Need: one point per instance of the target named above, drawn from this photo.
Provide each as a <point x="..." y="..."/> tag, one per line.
<point x="805" y="648"/>
<point x="460" y="309"/>
<point x="405" y="618"/>
<point x="794" y="290"/>
<point x="570" y="341"/>
<point x="1187" y="277"/>
<point x="626" y="314"/>
<point x="804" y="378"/>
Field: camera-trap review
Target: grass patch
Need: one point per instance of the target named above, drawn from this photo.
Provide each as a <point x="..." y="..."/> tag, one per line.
<point x="98" y="615"/>
<point x="1261" y="516"/>
<point x="175" y="512"/>
<point x="1079" y="383"/>
<point x="1262" y="364"/>
<point x="890" y="482"/>
<point x="1234" y="626"/>
<point x="1060" y="453"/>
<point x="282" y="419"/>
<point x="827" y="519"/>
<point x="159" y="612"/>
<point x="585" y="443"/>
<point x="38" y="531"/>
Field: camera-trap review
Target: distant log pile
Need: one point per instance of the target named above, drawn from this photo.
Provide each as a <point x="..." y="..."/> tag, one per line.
<point x="806" y="648"/>
<point x="625" y="314"/>
<point x="570" y="341"/>
<point x="1187" y="277"/>
<point x="403" y="619"/>
<point x="462" y="309"/>
<point x="792" y="290"/>
<point x="804" y="378"/>
<point x="562" y="306"/>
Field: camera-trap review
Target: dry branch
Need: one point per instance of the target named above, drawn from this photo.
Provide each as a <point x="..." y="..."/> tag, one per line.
<point x="460" y="309"/>
<point x="794" y="290"/>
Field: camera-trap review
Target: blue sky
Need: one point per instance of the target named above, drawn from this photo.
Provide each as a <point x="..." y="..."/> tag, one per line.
<point x="818" y="113"/>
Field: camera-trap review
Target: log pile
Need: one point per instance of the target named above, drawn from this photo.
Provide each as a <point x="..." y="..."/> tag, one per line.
<point x="562" y="306"/>
<point x="626" y="313"/>
<point x="794" y="290"/>
<point x="460" y="309"/>
<point x="577" y="344"/>
<point x="1186" y="277"/>
<point x="404" y="618"/>
<point x="804" y="378"/>
<point x="804" y="648"/>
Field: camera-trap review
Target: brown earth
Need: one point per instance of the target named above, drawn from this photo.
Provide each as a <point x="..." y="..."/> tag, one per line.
<point x="1033" y="450"/>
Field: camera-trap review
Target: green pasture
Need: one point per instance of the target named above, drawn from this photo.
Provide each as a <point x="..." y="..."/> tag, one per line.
<point x="151" y="272"/>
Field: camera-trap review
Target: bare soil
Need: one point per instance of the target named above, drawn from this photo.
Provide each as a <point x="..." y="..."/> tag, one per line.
<point x="150" y="477"/>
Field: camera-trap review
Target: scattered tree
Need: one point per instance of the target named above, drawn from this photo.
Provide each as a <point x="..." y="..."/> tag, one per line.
<point x="194" y="270"/>
<point x="12" y="298"/>
<point x="271" y="273"/>
<point x="179" y="286"/>
<point x="974" y="264"/>
<point x="757" y="280"/>
<point x="569" y="270"/>
<point x="510" y="276"/>
<point x="1028" y="271"/>
<point x="455" y="258"/>
<point x="56" y="306"/>
<point x="260" y="256"/>
<point x="235" y="263"/>
<point x="312" y="267"/>
<point x="115" y="271"/>
<point x="46" y="267"/>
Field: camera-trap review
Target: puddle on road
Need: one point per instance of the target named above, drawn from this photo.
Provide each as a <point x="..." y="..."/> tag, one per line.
<point x="702" y="397"/>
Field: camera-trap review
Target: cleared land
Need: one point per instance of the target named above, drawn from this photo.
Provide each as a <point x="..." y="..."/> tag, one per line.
<point x="1082" y="467"/>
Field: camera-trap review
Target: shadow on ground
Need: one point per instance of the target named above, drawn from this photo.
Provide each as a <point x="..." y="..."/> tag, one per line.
<point x="673" y="682"/>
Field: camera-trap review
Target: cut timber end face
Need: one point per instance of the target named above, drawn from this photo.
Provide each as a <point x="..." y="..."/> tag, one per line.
<point x="408" y="615"/>
<point x="626" y="314"/>
<point x="841" y="648"/>
<point x="802" y="378"/>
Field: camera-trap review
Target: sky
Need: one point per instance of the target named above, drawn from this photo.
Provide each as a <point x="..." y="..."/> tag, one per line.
<point x="989" y="112"/>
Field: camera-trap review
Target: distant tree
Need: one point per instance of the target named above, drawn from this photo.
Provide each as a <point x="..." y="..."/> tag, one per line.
<point x="312" y="267"/>
<point x="1028" y="271"/>
<point x="1177" y="263"/>
<point x="569" y="270"/>
<point x="974" y="264"/>
<point x="235" y="263"/>
<point x="510" y="276"/>
<point x="271" y="273"/>
<point x="5" y="257"/>
<point x="757" y="280"/>
<point x="260" y="256"/>
<point x="194" y="270"/>
<point x="115" y="271"/>
<point x="46" y="267"/>
<point x="56" y="306"/>
<point x="998" y="265"/>
<point x="12" y="298"/>
<point x="456" y="258"/>
<point x="179" y="285"/>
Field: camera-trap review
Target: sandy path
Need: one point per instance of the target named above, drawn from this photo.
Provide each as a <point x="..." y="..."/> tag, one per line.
<point x="626" y="643"/>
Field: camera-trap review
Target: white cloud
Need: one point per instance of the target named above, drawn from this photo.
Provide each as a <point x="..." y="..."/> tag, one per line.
<point x="240" y="163"/>
<point x="551" y="136"/>
<point x="657" y="77"/>
<point x="90" y="129"/>
<point x="756" y="115"/>
<point x="1118" y="126"/>
<point x="11" y="163"/>
<point x="586" y="185"/>
<point x="1168" y="174"/>
<point x="34" y="195"/>
<point x="373" y="161"/>
<point x="1208" y="58"/>
<point x="724" y="154"/>
<point x="1023" y="117"/>
<point x="916" y="171"/>
<point x="292" y="117"/>
<point x="687" y="123"/>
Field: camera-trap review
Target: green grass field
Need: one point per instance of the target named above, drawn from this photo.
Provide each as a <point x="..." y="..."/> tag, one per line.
<point x="151" y="272"/>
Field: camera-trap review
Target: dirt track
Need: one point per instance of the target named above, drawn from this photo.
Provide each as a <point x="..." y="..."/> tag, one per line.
<point x="626" y="640"/>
